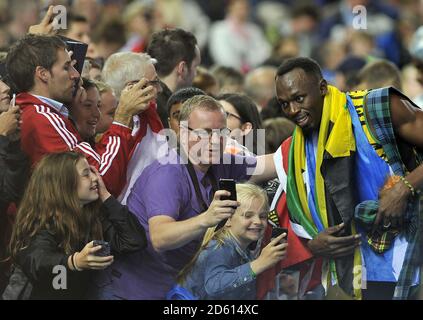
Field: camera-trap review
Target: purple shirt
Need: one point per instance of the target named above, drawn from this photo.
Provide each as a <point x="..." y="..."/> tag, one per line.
<point x="166" y="189"/>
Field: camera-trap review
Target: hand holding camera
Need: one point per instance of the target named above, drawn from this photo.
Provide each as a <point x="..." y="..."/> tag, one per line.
<point x="274" y="252"/>
<point x="105" y="248"/>
<point x="277" y="231"/>
<point x="95" y="256"/>
<point x="219" y="210"/>
<point x="230" y="186"/>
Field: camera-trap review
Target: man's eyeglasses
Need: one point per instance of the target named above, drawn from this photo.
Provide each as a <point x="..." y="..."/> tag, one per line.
<point x="208" y="133"/>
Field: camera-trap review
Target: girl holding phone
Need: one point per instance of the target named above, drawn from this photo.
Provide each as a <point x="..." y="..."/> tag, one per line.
<point x="65" y="207"/>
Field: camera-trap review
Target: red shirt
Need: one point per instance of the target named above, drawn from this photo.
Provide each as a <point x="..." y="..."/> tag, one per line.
<point x="44" y="130"/>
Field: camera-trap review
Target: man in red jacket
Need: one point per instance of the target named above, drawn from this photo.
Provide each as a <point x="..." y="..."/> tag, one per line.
<point x="44" y="74"/>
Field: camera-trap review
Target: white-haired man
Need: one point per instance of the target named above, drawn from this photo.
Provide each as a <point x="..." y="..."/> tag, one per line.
<point x="122" y="71"/>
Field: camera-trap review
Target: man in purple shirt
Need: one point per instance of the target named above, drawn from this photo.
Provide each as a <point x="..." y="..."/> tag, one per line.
<point x="174" y="214"/>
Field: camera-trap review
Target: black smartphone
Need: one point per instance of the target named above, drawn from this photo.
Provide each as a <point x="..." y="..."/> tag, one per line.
<point x="105" y="248"/>
<point x="277" y="231"/>
<point x="228" y="185"/>
<point x="79" y="50"/>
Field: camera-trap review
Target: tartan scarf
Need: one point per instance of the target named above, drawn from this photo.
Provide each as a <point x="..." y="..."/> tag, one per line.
<point x="379" y="240"/>
<point x="335" y="138"/>
<point x="380" y="117"/>
<point x="370" y="178"/>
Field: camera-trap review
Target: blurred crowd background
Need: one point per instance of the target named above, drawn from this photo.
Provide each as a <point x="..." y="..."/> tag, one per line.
<point x="243" y="35"/>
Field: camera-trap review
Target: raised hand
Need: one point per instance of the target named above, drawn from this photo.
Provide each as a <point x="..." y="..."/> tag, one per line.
<point x="135" y="98"/>
<point x="46" y="26"/>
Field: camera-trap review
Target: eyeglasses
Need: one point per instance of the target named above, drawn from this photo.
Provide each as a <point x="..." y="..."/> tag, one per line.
<point x="154" y="83"/>
<point x="208" y="133"/>
<point x="228" y="114"/>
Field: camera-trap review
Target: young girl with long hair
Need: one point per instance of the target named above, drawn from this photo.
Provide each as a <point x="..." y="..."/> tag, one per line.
<point x="224" y="267"/>
<point x="65" y="207"/>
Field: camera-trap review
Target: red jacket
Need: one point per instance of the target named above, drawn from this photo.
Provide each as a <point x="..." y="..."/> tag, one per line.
<point x="44" y="130"/>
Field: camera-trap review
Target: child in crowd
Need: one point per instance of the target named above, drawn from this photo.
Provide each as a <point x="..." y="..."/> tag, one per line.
<point x="86" y="114"/>
<point x="65" y="207"/>
<point x="224" y="267"/>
